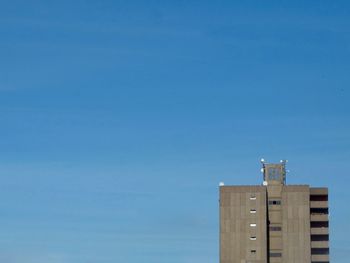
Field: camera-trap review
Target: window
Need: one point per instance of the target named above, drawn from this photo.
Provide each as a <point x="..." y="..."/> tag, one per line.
<point x="252" y="197"/>
<point x="319" y="251"/>
<point x="252" y="211"/>
<point x="253" y="251"/>
<point x="253" y="238"/>
<point x="275" y="228"/>
<point x="315" y="224"/>
<point x="319" y="238"/>
<point x="253" y="225"/>
<point x="274" y="173"/>
<point x="274" y="202"/>
<point x="318" y="197"/>
<point x="275" y="254"/>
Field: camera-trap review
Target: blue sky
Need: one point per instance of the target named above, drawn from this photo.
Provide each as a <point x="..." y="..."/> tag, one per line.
<point x="120" y="118"/>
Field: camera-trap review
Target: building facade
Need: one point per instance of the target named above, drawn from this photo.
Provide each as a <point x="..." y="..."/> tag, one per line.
<point x="274" y="222"/>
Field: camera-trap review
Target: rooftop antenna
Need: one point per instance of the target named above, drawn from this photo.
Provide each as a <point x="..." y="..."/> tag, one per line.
<point x="262" y="160"/>
<point x="284" y="171"/>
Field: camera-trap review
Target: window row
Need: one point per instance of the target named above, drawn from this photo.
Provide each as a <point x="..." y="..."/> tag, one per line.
<point x="275" y="228"/>
<point x="319" y="251"/>
<point x="274" y="202"/>
<point x="275" y="254"/>
<point x="319" y="238"/>
<point x="316" y="224"/>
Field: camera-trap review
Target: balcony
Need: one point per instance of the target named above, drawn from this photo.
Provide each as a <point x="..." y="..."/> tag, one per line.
<point x="320" y="258"/>
<point x="318" y="191"/>
<point x="319" y="217"/>
<point x="319" y="244"/>
<point x="320" y="231"/>
<point x="318" y="204"/>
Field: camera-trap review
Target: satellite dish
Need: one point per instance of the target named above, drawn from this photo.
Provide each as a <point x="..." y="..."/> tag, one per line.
<point x="221" y="184"/>
<point x="265" y="183"/>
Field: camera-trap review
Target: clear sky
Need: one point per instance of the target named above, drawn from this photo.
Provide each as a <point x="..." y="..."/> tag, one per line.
<point x="118" y="120"/>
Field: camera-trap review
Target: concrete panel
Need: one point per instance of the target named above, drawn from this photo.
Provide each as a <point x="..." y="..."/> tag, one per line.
<point x="276" y="242"/>
<point x="320" y="231"/>
<point x="319" y="244"/>
<point x="319" y="217"/>
<point x="296" y="224"/>
<point x="318" y="204"/>
<point x="237" y="211"/>
<point x="320" y="258"/>
<point x="318" y="191"/>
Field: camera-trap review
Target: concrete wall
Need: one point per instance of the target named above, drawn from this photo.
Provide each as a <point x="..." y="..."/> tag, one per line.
<point x="236" y="232"/>
<point x="296" y="224"/>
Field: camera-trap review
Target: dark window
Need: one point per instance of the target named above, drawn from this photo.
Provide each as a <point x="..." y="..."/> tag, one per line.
<point x="275" y="228"/>
<point x="274" y="202"/>
<point x="319" y="224"/>
<point x="319" y="251"/>
<point x="319" y="237"/>
<point x="319" y="210"/>
<point x="318" y="197"/>
<point x="253" y="251"/>
<point x="275" y="254"/>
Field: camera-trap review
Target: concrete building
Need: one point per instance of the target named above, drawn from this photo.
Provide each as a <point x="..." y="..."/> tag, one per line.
<point x="274" y="222"/>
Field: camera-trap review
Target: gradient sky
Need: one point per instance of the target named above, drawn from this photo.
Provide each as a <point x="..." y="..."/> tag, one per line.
<point x="120" y="118"/>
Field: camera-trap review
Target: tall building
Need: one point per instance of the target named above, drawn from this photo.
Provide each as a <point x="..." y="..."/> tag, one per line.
<point x="274" y="222"/>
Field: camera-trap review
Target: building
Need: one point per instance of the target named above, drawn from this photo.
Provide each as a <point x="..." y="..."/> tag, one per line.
<point x="274" y="222"/>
